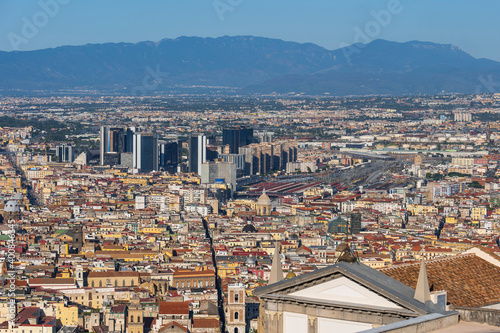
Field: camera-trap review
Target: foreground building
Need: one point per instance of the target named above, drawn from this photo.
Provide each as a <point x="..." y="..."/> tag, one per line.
<point x="345" y="297"/>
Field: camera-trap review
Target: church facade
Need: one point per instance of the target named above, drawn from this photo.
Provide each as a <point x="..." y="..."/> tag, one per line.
<point x="345" y="297"/>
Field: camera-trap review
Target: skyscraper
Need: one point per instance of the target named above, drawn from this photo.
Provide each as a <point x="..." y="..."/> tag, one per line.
<point x="170" y="155"/>
<point x="112" y="144"/>
<point x="219" y="172"/>
<point x="197" y="152"/>
<point x="129" y="140"/>
<point x="65" y="153"/>
<point x="145" y="155"/>
<point x="237" y="137"/>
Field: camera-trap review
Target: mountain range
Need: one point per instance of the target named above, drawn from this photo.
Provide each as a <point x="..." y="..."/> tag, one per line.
<point x="247" y="64"/>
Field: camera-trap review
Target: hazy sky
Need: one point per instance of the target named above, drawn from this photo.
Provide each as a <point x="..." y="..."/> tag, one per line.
<point x="36" y="24"/>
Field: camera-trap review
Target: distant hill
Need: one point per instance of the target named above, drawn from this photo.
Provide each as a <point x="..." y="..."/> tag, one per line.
<point x="249" y="65"/>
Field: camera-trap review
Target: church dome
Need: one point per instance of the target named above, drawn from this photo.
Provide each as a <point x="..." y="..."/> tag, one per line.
<point x="11" y="206"/>
<point x="249" y="228"/>
<point x="250" y="261"/>
<point x="90" y="213"/>
<point x="290" y="275"/>
<point x="264" y="199"/>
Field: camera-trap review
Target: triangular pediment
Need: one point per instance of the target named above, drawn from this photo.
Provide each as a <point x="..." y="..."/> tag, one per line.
<point x="347" y="285"/>
<point x="344" y="290"/>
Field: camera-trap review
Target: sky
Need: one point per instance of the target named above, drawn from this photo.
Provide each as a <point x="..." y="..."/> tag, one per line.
<point x="37" y="24"/>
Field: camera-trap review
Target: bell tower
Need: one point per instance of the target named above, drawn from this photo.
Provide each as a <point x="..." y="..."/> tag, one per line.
<point x="79" y="276"/>
<point x="235" y="314"/>
<point x="135" y="320"/>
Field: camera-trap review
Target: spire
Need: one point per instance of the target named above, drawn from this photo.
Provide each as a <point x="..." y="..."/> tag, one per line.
<point x="422" y="293"/>
<point x="276" y="269"/>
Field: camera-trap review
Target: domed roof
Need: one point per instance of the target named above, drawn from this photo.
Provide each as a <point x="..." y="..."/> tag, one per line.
<point x="250" y="261"/>
<point x="11" y="206"/>
<point x="90" y="213"/>
<point x="264" y="199"/>
<point x="249" y="228"/>
<point x="290" y="275"/>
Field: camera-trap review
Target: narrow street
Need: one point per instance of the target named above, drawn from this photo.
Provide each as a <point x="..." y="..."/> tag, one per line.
<point x="218" y="282"/>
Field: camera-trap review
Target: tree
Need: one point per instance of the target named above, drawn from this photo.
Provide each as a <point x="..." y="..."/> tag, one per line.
<point x="475" y="184"/>
<point x="437" y="176"/>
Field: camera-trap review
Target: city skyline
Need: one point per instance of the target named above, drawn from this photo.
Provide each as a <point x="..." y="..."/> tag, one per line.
<point x="341" y="173"/>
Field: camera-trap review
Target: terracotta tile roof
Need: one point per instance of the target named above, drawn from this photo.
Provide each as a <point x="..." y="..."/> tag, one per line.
<point x="172" y="308"/>
<point x="469" y="280"/>
<point x="113" y="274"/>
<point x="41" y="281"/>
<point x="205" y="323"/>
<point x="173" y="324"/>
<point x="26" y="313"/>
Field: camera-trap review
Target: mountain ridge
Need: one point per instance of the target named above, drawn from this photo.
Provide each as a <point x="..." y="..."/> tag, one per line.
<point x="248" y="64"/>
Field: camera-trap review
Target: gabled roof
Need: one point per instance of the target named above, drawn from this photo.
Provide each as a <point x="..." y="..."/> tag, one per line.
<point x="369" y="278"/>
<point x="173" y="324"/>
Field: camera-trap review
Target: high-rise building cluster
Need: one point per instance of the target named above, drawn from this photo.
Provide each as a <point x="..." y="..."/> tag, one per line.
<point x="461" y="116"/>
<point x="240" y="154"/>
<point x="265" y="157"/>
<point x="65" y="153"/>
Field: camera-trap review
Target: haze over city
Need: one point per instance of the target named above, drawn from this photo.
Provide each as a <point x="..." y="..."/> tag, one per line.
<point x="249" y="166"/>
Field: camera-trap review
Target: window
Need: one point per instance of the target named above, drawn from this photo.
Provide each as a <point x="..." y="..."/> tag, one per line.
<point x="116" y="283"/>
<point x="132" y="282"/>
<point x="131" y="319"/>
<point x="92" y="284"/>
<point x="100" y="283"/>
<point x="236" y="297"/>
<point x="236" y="315"/>
<point x="124" y="283"/>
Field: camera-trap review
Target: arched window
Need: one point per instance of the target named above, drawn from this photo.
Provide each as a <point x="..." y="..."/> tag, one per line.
<point x="236" y="297"/>
<point x="236" y="330"/>
<point x="236" y="315"/>
<point x="92" y="284"/>
<point x="131" y="319"/>
<point x="100" y="283"/>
